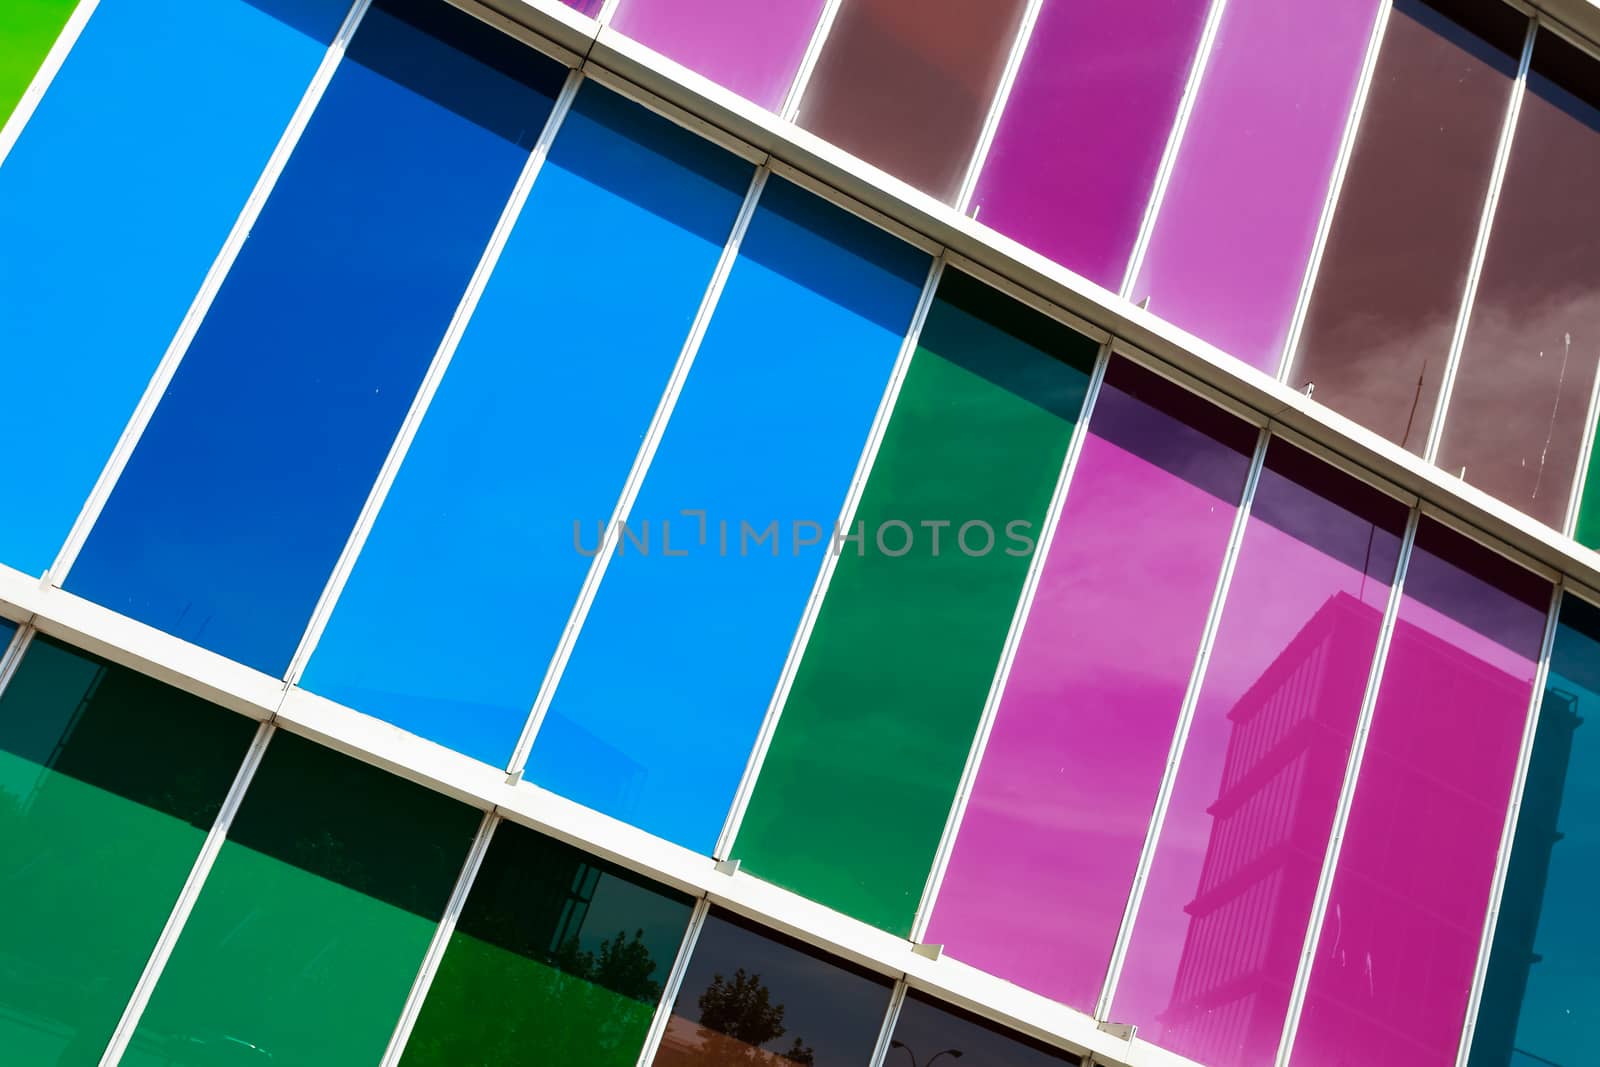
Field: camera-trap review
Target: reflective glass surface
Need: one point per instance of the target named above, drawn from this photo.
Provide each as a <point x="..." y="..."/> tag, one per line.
<point x="926" y="1029"/>
<point x="1222" y="922"/>
<point x="244" y="487"/>
<point x="533" y="429"/>
<point x="753" y="47"/>
<point x="1068" y="781"/>
<point x="1405" y="920"/>
<point x="28" y="28"/>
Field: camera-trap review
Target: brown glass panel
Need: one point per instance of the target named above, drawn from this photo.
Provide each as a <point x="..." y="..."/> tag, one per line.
<point x="1388" y="292"/>
<point x="1521" y="400"/>
<point x="906" y="84"/>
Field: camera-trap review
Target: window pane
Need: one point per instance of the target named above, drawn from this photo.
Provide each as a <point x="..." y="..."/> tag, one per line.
<point x="189" y="98"/>
<point x="670" y="679"/>
<point x="1075" y="155"/>
<point x="242" y="491"/>
<point x="907" y="84"/>
<point x="109" y="782"/>
<point x="926" y="1029"/>
<point x="1235" y="229"/>
<point x="570" y="952"/>
<point x="308" y="933"/>
<point x="1539" y="999"/>
<point x="898" y="667"/>
<point x="748" y="990"/>
<point x="627" y="203"/>
<point x="1388" y="291"/>
<point x="1069" y="776"/>
<point x="753" y="47"/>
<point x="29" y="29"/>
<point x="1520" y="406"/>
<point x="1223" y="919"/>
<point x="1406" y="915"/>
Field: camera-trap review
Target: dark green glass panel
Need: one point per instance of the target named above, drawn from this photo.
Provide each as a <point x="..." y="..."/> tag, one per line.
<point x="571" y="952"/>
<point x="27" y="30"/>
<point x="307" y="936"/>
<point x="108" y="784"/>
<point x="1543" y="983"/>
<point x="857" y="784"/>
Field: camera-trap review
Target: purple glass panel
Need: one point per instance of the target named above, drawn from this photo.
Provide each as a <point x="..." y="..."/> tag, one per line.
<point x="1224" y="913"/>
<point x="1240" y="215"/>
<point x="1042" y="865"/>
<point x="753" y="47"/>
<point x="585" y="7"/>
<point x="1393" y="967"/>
<point x="1076" y="152"/>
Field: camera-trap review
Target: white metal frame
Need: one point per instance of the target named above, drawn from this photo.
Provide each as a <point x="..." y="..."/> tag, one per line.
<point x="71" y="30"/>
<point x="997" y="107"/>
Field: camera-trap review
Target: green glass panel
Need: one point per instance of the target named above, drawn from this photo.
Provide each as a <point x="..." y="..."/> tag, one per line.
<point x="27" y="30"/>
<point x="872" y="740"/>
<point x="108" y="784"/>
<point x="1587" y="531"/>
<point x="1543" y="984"/>
<point x="570" y="951"/>
<point x="304" y="943"/>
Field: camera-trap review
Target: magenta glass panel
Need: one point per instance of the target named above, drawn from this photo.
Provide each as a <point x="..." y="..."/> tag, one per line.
<point x="1223" y="917"/>
<point x="1240" y="215"/>
<point x="753" y="47"/>
<point x="1042" y="865"/>
<point x="585" y="7"/>
<point x="1077" y="149"/>
<point x="1390" y="980"/>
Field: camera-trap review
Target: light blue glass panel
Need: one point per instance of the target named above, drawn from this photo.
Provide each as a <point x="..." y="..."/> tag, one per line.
<point x="668" y="682"/>
<point x="114" y="202"/>
<point x="534" y="428"/>
<point x="244" y="488"/>
<point x="1543" y="984"/>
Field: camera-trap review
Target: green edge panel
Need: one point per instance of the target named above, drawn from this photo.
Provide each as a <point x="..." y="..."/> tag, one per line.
<point x="870" y="746"/>
<point x="109" y="782"/>
<point x="1587" y="529"/>
<point x="27" y="30"/>
<point x="571" y="951"/>
<point x="307" y="936"/>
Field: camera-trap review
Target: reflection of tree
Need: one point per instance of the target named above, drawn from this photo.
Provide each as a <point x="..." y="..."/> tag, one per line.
<point x="621" y="965"/>
<point x="737" y="1016"/>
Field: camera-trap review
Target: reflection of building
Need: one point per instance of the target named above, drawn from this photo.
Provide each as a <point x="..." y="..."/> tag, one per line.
<point x="1230" y="988"/>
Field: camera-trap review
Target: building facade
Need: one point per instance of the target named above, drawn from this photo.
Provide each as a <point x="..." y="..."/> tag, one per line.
<point x="825" y="532"/>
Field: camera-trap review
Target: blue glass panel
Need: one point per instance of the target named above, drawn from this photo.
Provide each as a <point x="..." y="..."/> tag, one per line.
<point x="669" y="680"/>
<point x="534" y="426"/>
<point x="243" y="490"/>
<point x="1540" y="995"/>
<point x="114" y="202"/>
<point x="7" y="630"/>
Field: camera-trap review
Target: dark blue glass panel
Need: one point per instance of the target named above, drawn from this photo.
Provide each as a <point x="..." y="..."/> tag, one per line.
<point x="244" y="488"/>
<point x="1543" y="984"/>
<point x="668" y="682"/>
<point x="114" y="202"/>
<point x="534" y="427"/>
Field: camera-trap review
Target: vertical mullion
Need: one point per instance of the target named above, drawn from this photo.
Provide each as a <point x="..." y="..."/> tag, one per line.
<point x="830" y="560"/>
<point x="12" y="654"/>
<point x="880" y="1051"/>
<point x="1341" y="167"/>
<point x="808" y="63"/>
<point x="674" y="982"/>
<point x="1480" y="249"/>
<point x="1180" y="735"/>
<point x="1508" y="837"/>
<point x="441" y="941"/>
<point x="186" y="899"/>
<point x="190" y="325"/>
<point x="1008" y="651"/>
<point x="1569" y="524"/>
<point x="432" y="379"/>
<point x="636" y="475"/>
<point x="71" y="30"/>
<point x="997" y="107"/>
<point x="1169" y="155"/>
<point x="1341" y="819"/>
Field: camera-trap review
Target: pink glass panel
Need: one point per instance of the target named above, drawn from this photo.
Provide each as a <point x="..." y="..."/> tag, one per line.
<point x="1043" y="863"/>
<point x="1394" y="964"/>
<point x="753" y="47"/>
<point x="1076" y="152"/>
<point x="1224" y="913"/>
<point x="1235" y="230"/>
